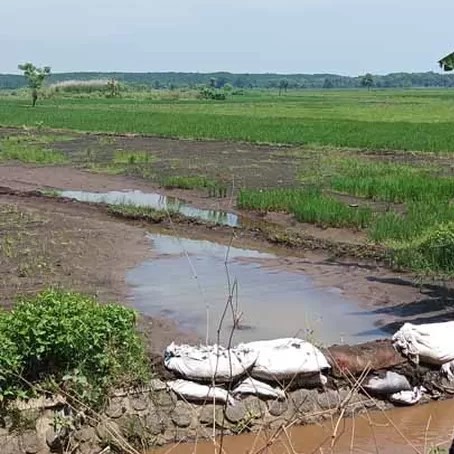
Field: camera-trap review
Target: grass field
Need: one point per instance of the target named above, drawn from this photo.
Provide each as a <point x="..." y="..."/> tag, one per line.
<point x="397" y="120"/>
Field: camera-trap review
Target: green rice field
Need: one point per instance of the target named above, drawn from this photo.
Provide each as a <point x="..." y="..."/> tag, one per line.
<point x="421" y="120"/>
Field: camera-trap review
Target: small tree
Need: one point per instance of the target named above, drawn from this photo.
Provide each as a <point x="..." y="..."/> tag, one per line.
<point x="447" y="63"/>
<point x="283" y="85"/>
<point x="367" y="81"/>
<point x="35" y="77"/>
<point x="113" y="88"/>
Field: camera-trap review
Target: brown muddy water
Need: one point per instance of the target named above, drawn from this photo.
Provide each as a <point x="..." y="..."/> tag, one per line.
<point x="156" y="201"/>
<point x="187" y="281"/>
<point x="413" y="430"/>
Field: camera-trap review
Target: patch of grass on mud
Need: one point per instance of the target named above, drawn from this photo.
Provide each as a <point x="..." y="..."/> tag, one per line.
<point x="214" y="188"/>
<point x="65" y="339"/>
<point x="16" y="238"/>
<point x="120" y="162"/>
<point x="131" y="211"/>
<point x="431" y="253"/>
<point x="186" y="182"/>
<point x="418" y="217"/>
<point x="30" y="151"/>
<point x="307" y="205"/>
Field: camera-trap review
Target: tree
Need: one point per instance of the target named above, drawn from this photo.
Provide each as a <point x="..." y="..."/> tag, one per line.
<point x="328" y="83"/>
<point x="447" y="63"/>
<point x="35" y="78"/>
<point x="367" y="81"/>
<point x="113" y="88"/>
<point x="283" y="85"/>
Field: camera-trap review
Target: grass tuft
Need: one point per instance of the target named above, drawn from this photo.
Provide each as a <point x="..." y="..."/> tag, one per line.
<point x="25" y="150"/>
<point x="307" y="205"/>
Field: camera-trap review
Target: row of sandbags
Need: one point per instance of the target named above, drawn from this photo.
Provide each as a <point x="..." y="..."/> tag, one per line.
<point x="285" y="359"/>
<point x="243" y="367"/>
<point x="273" y="360"/>
<point x="201" y="392"/>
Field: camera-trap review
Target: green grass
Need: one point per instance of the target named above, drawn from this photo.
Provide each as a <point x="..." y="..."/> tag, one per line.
<point x="307" y="205"/>
<point x="132" y="211"/>
<point x="24" y="149"/>
<point x="120" y="162"/>
<point x="432" y="252"/>
<point x="214" y="188"/>
<point x="418" y="217"/>
<point x="402" y="120"/>
<point x="186" y="182"/>
<point x="390" y="182"/>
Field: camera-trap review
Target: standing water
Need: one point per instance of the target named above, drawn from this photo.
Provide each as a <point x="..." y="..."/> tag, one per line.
<point x="155" y="201"/>
<point x="188" y="281"/>
<point x="416" y="430"/>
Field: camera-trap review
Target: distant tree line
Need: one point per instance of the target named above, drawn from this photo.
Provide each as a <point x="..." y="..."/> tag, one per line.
<point x="174" y="80"/>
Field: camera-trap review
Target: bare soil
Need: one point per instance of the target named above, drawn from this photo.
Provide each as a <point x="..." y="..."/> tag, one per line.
<point x="44" y="242"/>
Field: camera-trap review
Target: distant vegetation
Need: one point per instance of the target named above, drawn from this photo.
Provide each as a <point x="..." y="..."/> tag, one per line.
<point x="172" y="80"/>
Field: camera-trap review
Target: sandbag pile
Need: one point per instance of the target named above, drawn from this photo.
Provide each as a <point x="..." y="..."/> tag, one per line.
<point x="427" y="344"/>
<point x="264" y="368"/>
<point x="394" y="387"/>
<point x="248" y="368"/>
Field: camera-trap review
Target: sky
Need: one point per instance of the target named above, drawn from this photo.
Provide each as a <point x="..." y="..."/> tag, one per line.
<point x="347" y="37"/>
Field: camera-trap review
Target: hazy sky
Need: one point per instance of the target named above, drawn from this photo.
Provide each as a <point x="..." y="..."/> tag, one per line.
<point x="286" y="36"/>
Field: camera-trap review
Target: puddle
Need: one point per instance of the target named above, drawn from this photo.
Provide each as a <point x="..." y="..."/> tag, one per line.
<point x="187" y="282"/>
<point x="156" y="201"/>
<point x="403" y="430"/>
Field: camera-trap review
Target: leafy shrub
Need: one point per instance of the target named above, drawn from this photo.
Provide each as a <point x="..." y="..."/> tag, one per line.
<point x="72" y="340"/>
<point x="210" y="93"/>
<point x="431" y="252"/>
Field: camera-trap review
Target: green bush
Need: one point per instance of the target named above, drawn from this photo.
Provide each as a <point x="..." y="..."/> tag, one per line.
<point x="69" y="339"/>
<point x="432" y="252"/>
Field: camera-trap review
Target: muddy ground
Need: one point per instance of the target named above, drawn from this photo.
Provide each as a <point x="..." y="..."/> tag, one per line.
<point x="48" y="241"/>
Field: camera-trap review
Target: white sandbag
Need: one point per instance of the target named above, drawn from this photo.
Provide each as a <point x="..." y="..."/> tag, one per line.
<point x="285" y="358"/>
<point x="431" y="343"/>
<point x="258" y="388"/>
<point x="391" y="383"/>
<point x="197" y="392"/>
<point x="448" y="370"/>
<point x="204" y="363"/>
<point x="407" y="397"/>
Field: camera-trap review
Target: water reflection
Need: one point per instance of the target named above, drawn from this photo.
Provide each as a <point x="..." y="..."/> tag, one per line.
<point x="187" y="281"/>
<point x="156" y="201"/>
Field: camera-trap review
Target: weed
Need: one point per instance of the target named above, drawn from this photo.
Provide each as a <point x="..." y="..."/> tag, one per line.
<point x="433" y="251"/>
<point x="20" y="149"/>
<point x="72" y="340"/>
<point x="307" y="205"/>
<point x="419" y="216"/>
<point x="131" y="211"/>
<point x="390" y="182"/>
<point x="186" y="182"/>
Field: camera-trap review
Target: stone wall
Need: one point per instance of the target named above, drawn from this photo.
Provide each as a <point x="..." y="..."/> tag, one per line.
<point x="155" y="416"/>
